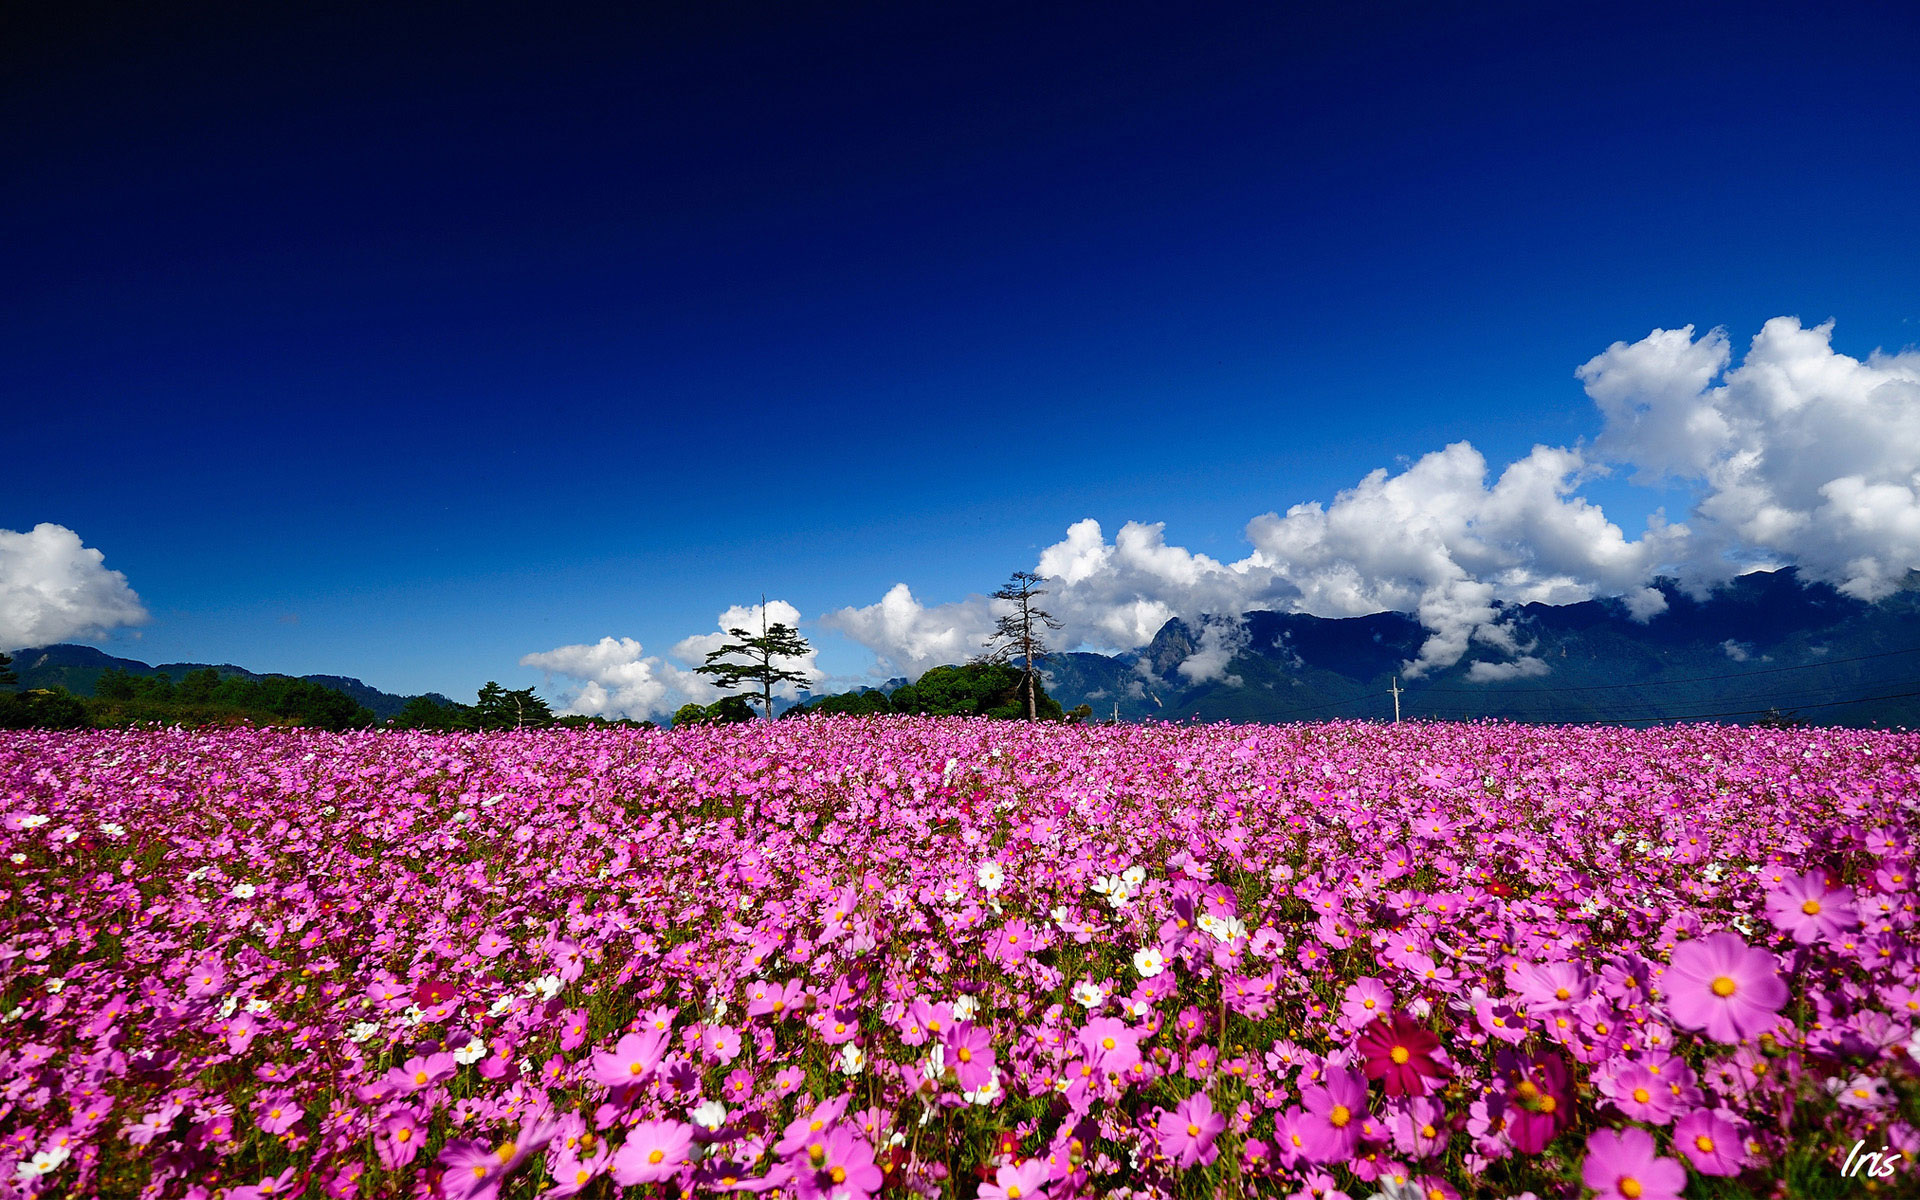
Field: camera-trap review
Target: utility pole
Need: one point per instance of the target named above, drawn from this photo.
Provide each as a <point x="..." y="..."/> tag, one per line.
<point x="1396" y="699"/>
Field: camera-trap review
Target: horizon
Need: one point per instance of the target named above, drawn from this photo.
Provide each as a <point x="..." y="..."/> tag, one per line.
<point x="428" y="352"/>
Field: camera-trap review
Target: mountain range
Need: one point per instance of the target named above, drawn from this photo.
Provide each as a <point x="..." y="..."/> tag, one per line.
<point x="1765" y="644"/>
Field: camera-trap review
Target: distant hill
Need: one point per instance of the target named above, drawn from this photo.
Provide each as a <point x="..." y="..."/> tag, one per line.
<point x="1765" y="641"/>
<point x="78" y="669"/>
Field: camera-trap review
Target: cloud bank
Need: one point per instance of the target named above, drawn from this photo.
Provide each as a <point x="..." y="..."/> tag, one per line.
<point x="1798" y="456"/>
<point x="54" y="589"/>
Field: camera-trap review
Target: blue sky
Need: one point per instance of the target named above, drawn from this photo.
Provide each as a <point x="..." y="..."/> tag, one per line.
<point x="403" y="345"/>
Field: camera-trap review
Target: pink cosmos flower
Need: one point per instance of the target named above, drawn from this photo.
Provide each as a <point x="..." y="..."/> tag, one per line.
<point x="398" y="1138"/>
<point x="277" y="1113"/>
<point x="1110" y="1043"/>
<point x="1623" y="1165"/>
<point x="1711" y="1142"/>
<point x="1336" y="1107"/>
<point x="573" y="1028"/>
<point x="840" y="1165"/>
<point x="652" y="1152"/>
<point x="1026" y="1181"/>
<point x="1804" y="907"/>
<point x="811" y="1128"/>
<point x="631" y="1061"/>
<point x="1366" y="998"/>
<point x="970" y="1055"/>
<point x="1399" y="1051"/>
<point x="721" y="1043"/>
<point x="1010" y="945"/>
<point x="1187" y="1133"/>
<point x="419" y="1073"/>
<point x="1724" y="987"/>
<point x="476" y="1169"/>
<point x="1642" y="1095"/>
<point x="493" y="944"/>
<point x="1539" y="1102"/>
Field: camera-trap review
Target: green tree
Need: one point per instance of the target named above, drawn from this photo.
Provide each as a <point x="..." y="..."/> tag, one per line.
<point x="114" y="685"/>
<point x="763" y="655"/>
<point x="1021" y="633"/>
<point x="977" y="689"/>
<point x="7" y="678"/>
<point x="498" y="708"/>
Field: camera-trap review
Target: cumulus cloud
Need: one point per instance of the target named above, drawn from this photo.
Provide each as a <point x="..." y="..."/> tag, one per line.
<point x="614" y="677"/>
<point x="1799" y="455"/>
<point x="907" y="637"/>
<point x="54" y="589"/>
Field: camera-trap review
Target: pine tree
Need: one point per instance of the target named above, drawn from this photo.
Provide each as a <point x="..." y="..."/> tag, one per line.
<point x="1022" y="632"/>
<point x="763" y="655"/>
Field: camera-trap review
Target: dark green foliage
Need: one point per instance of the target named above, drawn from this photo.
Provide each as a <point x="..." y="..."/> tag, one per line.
<point x="42" y="708"/>
<point x="7" y="678"/>
<point x="203" y="697"/>
<point x="498" y="708"/>
<point x="728" y="710"/>
<point x="979" y="689"/>
<point x="870" y="702"/>
<point x="424" y="712"/>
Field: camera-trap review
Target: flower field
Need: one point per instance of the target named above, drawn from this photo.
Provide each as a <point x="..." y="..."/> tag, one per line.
<point x="844" y="957"/>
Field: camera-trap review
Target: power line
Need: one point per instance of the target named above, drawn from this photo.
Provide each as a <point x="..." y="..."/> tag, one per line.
<point x="1601" y="687"/>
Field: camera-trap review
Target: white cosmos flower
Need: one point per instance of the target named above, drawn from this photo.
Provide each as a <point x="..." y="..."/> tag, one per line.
<point x="46" y="1162"/>
<point x="1133" y="877"/>
<point x="1089" y="995"/>
<point x="472" y="1052"/>
<point x="34" y="821"/>
<point x="987" y="1092"/>
<point x="362" y="1031"/>
<point x="964" y="1008"/>
<point x="244" y="891"/>
<point x="1148" y="962"/>
<point x="257" y="1006"/>
<point x="991" y="876"/>
<point x="709" y="1115"/>
<point x="55" y="983"/>
<point x="853" y="1060"/>
<point x="227" y="1006"/>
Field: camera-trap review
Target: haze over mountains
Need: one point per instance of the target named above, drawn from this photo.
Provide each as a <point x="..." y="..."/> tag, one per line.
<point x="1765" y="643"/>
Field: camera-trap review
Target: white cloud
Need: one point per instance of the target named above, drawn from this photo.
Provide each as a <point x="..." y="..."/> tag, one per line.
<point x="1520" y="668"/>
<point x="1799" y="455"/>
<point x="1221" y="638"/>
<point x="907" y="637"/>
<point x="54" y="589"/>
<point x="615" y="678"/>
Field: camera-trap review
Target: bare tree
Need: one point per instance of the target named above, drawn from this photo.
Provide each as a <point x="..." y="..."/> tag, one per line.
<point x="1022" y="632"/>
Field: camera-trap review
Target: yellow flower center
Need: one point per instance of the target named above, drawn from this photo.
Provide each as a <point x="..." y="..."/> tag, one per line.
<point x="1193" y="1131"/>
<point x="1630" y="1187"/>
<point x="655" y="1156"/>
<point x="1399" y="1055"/>
<point x="966" y="1055"/>
<point x="1703" y="1143"/>
<point x="1340" y="1116"/>
<point x="1811" y="908"/>
<point x="1724" y="986"/>
<point x="1642" y="1095"/>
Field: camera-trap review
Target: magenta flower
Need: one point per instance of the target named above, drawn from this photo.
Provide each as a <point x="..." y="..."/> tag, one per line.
<point x="1539" y="1104"/>
<point x="492" y="944"/>
<point x="1399" y="1051"/>
<point x="1111" y="1044"/>
<point x="1187" y="1133"/>
<point x="1711" y="1142"/>
<point x="652" y="1152"/>
<point x="1335" y="1109"/>
<point x="1623" y="1165"/>
<point x="631" y="1061"/>
<point x="1804" y="907"/>
<point x="1366" y="999"/>
<point x="1722" y="986"/>
<point x="277" y="1113"/>
<point x="399" y="1138"/>
<point x="1027" y="1181"/>
<point x="420" y="1073"/>
<point x="970" y="1055"/>
<point x="1641" y="1095"/>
